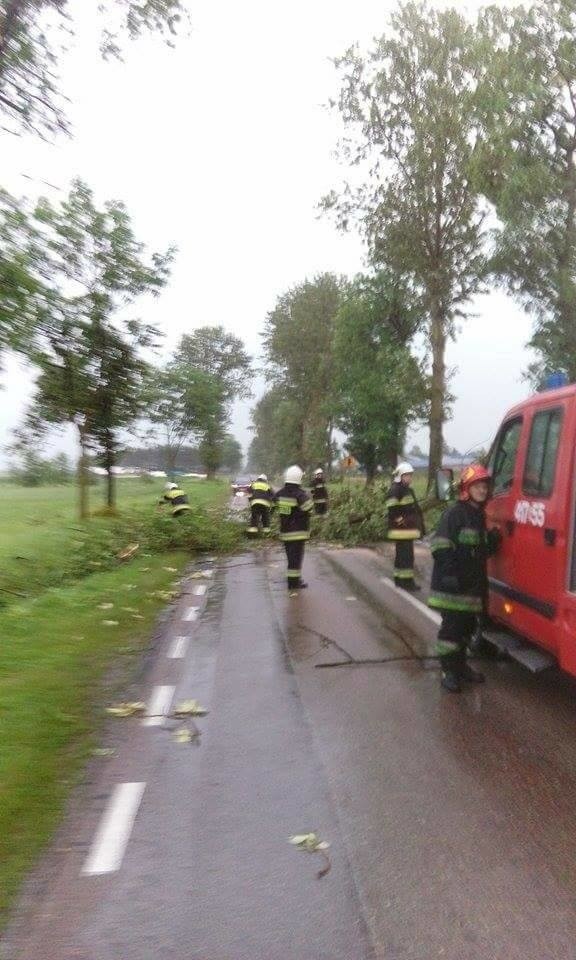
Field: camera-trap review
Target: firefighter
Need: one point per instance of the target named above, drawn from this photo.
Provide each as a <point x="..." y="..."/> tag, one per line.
<point x="319" y="493"/>
<point x="405" y="525"/>
<point x="177" y="499"/>
<point x="460" y="547"/>
<point x="260" y="495"/>
<point x="294" y="507"/>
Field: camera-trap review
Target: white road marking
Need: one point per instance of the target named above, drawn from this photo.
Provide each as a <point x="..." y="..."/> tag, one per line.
<point x="177" y="650"/>
<point x="159" y="706"/>
<point x="112" y="837"/>
<point x="191" y="614"/>
<point x="200" y="589"/>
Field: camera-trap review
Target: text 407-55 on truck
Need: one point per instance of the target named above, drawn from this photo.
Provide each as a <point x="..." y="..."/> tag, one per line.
<point x="532" y="578"/>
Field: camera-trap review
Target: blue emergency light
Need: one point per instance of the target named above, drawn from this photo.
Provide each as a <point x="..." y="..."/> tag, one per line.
<point x="554" y="381"/>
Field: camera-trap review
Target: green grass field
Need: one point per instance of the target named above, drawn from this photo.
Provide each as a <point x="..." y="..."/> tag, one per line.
<point x="56" y="652"/>
<point x="35" y="519"/>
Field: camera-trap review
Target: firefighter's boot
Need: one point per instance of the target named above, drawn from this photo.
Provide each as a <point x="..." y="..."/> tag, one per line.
<point x="470" y="675"/>
<point x="465" y="671"/>
<point x="450" y="678"/>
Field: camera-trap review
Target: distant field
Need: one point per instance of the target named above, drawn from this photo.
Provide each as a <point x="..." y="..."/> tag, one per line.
<point x="37" y="521"/>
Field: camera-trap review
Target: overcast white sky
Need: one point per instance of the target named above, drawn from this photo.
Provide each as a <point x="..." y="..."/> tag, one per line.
<point x="222" y="147"/>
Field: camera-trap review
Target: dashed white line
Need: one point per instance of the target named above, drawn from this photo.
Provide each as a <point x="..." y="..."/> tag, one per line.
<point x="110" y="842"/>
<point x="200" y="589"/>
<point x="191" y="614"/>
<point x="177" y="649"/>
<point x="159" y="706"/>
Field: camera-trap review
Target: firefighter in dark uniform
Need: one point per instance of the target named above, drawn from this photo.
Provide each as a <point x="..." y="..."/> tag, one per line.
<point x="405" y="525"/>
<point x="294" y="508"/>
<point x="177" y="499"/>
<point x="260" y="495"/>
<point x="460" y="547"/>
<point x="319" y="493"/>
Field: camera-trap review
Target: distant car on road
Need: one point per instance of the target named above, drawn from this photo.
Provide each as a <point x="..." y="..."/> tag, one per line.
<point x="241" y="486"/>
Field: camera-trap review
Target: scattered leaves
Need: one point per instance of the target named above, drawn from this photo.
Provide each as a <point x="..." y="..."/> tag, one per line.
<point x="189" y="708"/>
<point x="308" y="842"/>
<point x="183" y="735"/>
<point x="110" y="623"/>
<point x="128" y="552"/>
<point x="104" y="752"/>
<point x="127" y="709"/>
<point x="105" y="606"/>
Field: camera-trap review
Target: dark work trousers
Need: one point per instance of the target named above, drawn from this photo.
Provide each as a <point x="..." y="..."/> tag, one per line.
<point x="295" y="556"/>
<point x="259" y="514"/>
<point x="454" y="636"/>
<point x="404" y="563"/>
<point x="320" y="509"/>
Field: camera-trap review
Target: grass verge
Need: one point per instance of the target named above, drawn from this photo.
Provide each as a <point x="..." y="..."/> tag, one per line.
<point x="55" y="653"/>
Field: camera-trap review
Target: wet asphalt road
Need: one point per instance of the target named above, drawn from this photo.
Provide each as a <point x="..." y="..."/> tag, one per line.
<point x="451" y="819"/>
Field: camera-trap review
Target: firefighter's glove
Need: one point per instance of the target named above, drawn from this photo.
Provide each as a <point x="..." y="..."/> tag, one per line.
<point x="494" y="540"/>
<point x="450" y="584"/>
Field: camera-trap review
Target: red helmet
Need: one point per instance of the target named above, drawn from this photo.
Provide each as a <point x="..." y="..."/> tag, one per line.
<point x="472" y="474"/>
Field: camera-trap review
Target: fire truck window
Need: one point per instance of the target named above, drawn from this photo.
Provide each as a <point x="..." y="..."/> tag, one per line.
<point x="542" y="452"/>
<point x="503" y="459"/>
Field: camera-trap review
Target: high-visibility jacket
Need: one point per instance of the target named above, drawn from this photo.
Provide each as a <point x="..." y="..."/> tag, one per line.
<point x="178" y="501"/>
<point x="460" y="547"/>
<point x="405" y="520"/>
<point x="319" y="490"/>
<point x="260" y="493"/>
<point x="294" y="506"/>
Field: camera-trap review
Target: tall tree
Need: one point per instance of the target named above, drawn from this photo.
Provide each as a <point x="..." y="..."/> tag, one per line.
<point x="232" y="457"/>
<point x="526" y="165"/>
<point x="90" y="265"/>
<point x="380" y="385"/>
<point x="276" y="422"/>
<point x="408" y="110"/>
<point x="298" y="339"/>
<point x="219" y="371"/>
<point x="32" y="33"/>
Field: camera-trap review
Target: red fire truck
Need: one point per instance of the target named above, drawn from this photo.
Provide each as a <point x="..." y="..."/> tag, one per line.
<point x="532" y="579"/>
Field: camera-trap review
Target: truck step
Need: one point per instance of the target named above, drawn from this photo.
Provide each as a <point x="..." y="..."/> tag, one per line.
<point x="529" y="656"/>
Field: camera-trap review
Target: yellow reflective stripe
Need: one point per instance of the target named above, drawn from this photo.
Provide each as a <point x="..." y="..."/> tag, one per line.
<point x="298" y="535"/>
<point x="260" y="486"/>
<point x="404" y="534"/>
<point x="392" y="502"/>
<point x="262" y="503"/>
<point x="441" y="543"/>
<point x="307" y="505"/>
<point x="455" y="601"/>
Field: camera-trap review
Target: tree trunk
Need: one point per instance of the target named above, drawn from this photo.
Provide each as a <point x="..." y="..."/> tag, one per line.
<point x="438" y="390"/>
<point x="111" y="489"/>
<point x="329" y="432"/>
<point x="370" y="464"/>
<point x="566" y="290"/>
<point x="82" y="477"/>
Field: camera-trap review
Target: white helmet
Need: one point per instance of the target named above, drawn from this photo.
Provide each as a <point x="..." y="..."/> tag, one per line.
<point x="170" y="486"/>
<point x="262" y="476"/>
<point x="318" y="471"/>
<point x="402" y="469"/>
<point x="293" y="475"/>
